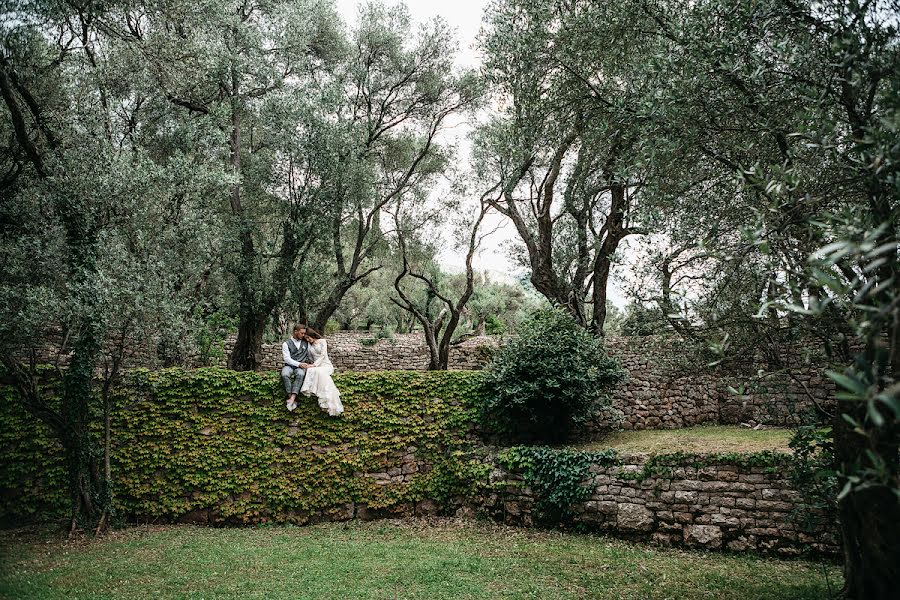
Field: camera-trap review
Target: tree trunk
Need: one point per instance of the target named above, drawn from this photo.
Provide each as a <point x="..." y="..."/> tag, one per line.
<point x="72" y="423"/>
<point x="434" y="352"/>
<point x="480" y="327"/>
<point x="331" y="305"/>
<point x="869" y="520"/>
<point x="246" y="355"/>
<point x="85" y="481"/>
<point x="603" y="260"/>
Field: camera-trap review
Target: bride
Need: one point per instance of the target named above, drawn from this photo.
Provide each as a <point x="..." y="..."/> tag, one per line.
<point x="318" y="380"/>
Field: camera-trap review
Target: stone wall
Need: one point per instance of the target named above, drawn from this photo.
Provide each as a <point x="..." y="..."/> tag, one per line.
<point x="776" y="398"/>
<point x="218" y="447"/>
<point x="364" y="351"/>
<point x="719" y="507"/>
<point x="725" y="507"/>
<point x="657" y="395"/>
<point x="664" y="389"/>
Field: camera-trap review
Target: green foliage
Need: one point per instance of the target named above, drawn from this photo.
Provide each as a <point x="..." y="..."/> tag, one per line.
<point x="213" y="332"/>
<point x="218" y="440"/>
<point x="642" y="321"/>
<point x="813" y="474"/>
<point x="382" y="334"/>
<point x="494" y="326"/>
<point x="455" y="475"/>
<point x="553" y="376"/>
<point x="32" y="466"/>
<point x="557" y="477"/>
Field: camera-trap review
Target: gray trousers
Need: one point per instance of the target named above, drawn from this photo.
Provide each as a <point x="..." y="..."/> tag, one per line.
<point x="298" y="375"/>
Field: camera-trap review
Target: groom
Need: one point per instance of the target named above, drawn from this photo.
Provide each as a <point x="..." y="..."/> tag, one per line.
<point x="296" y="355"/>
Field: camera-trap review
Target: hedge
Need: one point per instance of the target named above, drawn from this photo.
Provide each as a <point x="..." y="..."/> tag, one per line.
<point x="222" y="441"/>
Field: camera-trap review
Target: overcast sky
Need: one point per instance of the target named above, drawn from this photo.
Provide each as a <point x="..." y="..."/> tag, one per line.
<point x="465" y="17"/>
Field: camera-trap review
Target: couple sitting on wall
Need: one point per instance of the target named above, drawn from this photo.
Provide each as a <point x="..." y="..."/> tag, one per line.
<point x="307" y="370"/>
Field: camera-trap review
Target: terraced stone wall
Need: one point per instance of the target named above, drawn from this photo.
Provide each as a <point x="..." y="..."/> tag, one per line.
<point x="723" y="506"/>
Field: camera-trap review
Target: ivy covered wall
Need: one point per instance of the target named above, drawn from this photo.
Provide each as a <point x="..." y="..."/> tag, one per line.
<point x="217" y="446"/>
<point x="213" y="445"/>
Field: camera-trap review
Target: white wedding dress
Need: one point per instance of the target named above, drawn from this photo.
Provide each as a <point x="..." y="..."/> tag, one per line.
<point x="318" y="381"/>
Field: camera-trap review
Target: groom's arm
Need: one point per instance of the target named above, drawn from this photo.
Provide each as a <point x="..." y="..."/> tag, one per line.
<point x="286" y="353"/>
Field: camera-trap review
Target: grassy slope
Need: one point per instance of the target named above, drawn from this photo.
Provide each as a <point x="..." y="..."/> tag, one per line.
<point x="702" y="438"/>
<point x="387" y="560"/>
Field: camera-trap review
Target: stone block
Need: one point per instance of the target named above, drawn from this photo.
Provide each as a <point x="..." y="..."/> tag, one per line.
<point x="773" y="505"/>
<point x="742" y="544"/>
<point x="682" y="497"/>
<point x="664" y="539"/>
<point x="634" y="517"/>
<point x="427" y="508"/>
<point x="707" y="536"/>
<point x="723" y="520"/>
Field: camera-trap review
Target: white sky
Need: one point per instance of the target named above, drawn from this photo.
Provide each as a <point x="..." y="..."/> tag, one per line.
<point x="465" y="17"/>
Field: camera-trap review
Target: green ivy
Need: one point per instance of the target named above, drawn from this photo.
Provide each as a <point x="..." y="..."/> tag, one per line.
<point x="814" y="474"/>
<point x="219" y="440"/>
<point x="557" y="477"/>
<point x="455" y="475"/>
<point x="33" y="479"/>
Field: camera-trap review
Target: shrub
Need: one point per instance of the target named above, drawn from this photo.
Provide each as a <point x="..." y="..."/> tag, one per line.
<point x="552" y="377"/>
<point x="812" y="472"/>
<point x="642" y="321"/>
<point x="493" y="325"/>
<point x="211" y="335"/>
<point x="382" y="334"/>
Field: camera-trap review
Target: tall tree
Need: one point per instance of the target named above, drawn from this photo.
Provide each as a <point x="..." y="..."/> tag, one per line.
<point x="565" y="148"/>
<point x="798" y="104"/>
<point x="393" y="98"/>
<point x="439" y="324"/>
<point x="252" y="69"/>
<point x="78" y="262"/>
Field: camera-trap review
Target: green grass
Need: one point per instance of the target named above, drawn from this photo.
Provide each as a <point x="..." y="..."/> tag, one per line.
<point x="702" y="438"/>
<point x="387" y="559"/>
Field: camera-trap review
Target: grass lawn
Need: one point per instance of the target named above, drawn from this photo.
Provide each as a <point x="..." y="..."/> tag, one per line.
<point x="702" y="438"/>
<point x="387" y="559"/>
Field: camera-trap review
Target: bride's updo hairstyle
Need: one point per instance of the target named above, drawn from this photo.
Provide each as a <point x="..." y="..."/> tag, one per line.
<point x="313" y="334"/>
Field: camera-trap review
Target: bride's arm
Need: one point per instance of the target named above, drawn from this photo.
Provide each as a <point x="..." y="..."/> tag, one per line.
<point x="324" y="354"/>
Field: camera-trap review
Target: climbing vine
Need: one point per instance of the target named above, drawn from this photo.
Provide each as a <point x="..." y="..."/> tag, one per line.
<point x="221" y="441"/>
<point x="558" y="477"/>
<point x="814" y="475"/>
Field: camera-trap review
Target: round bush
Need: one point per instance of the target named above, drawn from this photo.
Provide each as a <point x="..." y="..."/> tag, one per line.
<point x="551" y="377"/>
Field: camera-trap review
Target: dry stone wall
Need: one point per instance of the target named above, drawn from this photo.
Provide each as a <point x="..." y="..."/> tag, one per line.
<point x="663" y="389"/>
<point x="218" y="447"/>
<point x="724" y="507"/>
<point x="364" y="351"/>
<point x="720" y="507"/>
